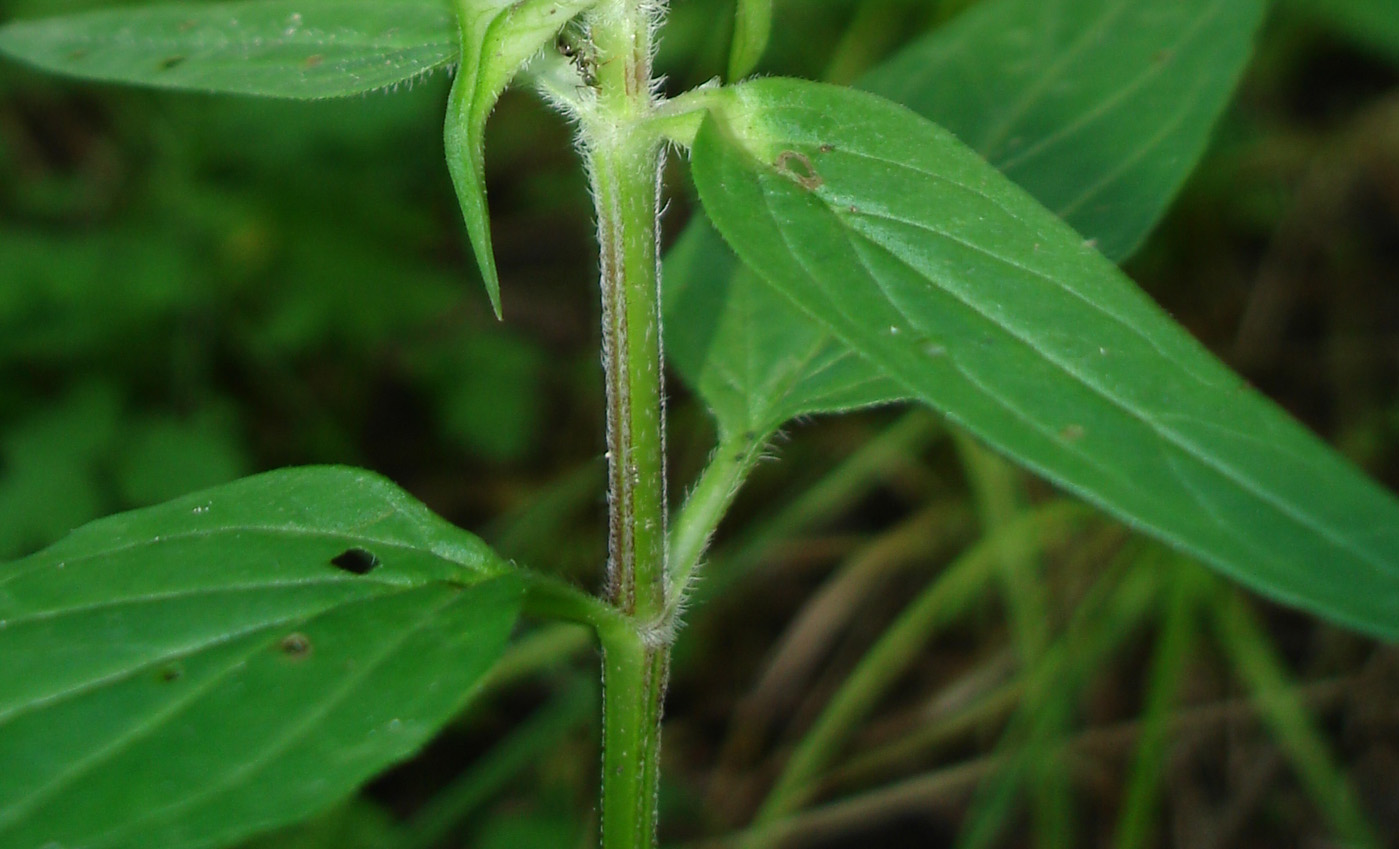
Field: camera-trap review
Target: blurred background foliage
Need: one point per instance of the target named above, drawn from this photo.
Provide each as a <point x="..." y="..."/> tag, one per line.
<point x="197" y="288"/>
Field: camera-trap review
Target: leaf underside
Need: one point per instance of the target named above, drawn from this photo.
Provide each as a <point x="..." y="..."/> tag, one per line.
<point x="235" y="660"/>
<point x="304" y="49"/>
<point x="911" y="250"/>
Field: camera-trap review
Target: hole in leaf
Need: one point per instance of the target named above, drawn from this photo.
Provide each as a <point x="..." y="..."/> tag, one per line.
<point x="805" y="173"/>
<point x="171" y="62"/>
<point x="296" y="645"/>
<point x="356" y="561"/>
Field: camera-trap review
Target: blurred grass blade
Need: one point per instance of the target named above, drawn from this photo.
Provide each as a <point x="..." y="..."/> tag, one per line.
<point x="497" y="38"/>
<point x="752" y="26"/>
<point x="1136" y="822"/>
<point x="939" y="603"/>
<point x="235" y="660"/>
<point x="913" y="251"/>
<point x="1098" y="108"/>
<point x="1102" y="622"/>
<point x="527" y="744"/>
<point x="1256" y="661"/>
<point x="302" y="49"/>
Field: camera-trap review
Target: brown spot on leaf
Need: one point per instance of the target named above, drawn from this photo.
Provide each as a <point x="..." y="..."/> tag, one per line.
<point x="313" y="61"/>
<point x="296" y="645"/>
<point x="1071" y="433"/>
<point x="171" y="62"/>
<point x="803" y="172"/>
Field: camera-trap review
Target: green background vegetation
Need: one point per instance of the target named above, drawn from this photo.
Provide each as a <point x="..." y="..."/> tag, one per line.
<point x="195" y="288"/>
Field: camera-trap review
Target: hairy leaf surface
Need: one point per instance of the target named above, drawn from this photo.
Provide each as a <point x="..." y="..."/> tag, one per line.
<point x="497" y="38"/>
<point x="950" y="279"/>
<point x="237" y="659"/>
<point x="276" y="48"/>
<point x="1100" y="109"/>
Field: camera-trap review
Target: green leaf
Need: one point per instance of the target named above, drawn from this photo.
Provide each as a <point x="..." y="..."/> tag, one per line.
<point x="1025" y="81"/>
<point x="497" y="38"/>
<point x="238" y="659"/>
<point x="756" y="360"/>
<point x="752" y="26"/>
<point x="1098" y="108"/>
<point x="275" y="48"/>
<point x="948" y="278"/>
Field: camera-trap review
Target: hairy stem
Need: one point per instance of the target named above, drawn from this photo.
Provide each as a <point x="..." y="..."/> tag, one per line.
<point x="624" y="161"/>
<point x="624" y="175"/>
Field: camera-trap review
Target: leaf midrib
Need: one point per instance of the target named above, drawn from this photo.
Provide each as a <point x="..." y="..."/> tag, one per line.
<point x="1166" y="433"/>
<point x="352" y="536"/>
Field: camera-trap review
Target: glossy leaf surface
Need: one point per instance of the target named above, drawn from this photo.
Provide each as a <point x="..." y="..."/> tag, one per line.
<point x="276" y="48"/>
<point x="1035" y="100"/>
<point x="497" y="38"/>
<point x="948" y="278"/>
<point x="237" y="659"/>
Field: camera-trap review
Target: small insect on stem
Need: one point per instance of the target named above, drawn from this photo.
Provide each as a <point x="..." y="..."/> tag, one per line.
<point x="575" y="44"/>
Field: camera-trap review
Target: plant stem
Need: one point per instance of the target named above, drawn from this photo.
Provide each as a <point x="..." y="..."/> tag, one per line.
<point x="634" y="681"/>
<point x="624" y="176"/>
<point x="705" y="507"/>
<point x="624" y="162"/>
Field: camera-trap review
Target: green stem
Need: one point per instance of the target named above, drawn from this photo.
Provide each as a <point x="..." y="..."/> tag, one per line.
<point x="624" y="163"/>
<point x="634" y="672"/>
<point x="705" y="507"/>
<point x="843" y="485"/>
<point x="624" y="185"/>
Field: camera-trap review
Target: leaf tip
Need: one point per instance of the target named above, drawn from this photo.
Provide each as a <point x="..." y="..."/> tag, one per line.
<point x="491" y="279"/>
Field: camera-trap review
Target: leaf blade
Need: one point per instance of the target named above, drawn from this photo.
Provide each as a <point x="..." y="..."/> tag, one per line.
<point x="1099" y="109"/>
<point x="756" y="362"/>
<point x="972" y="76"/>
<point x="497" y="37"/>
<point x="188" y="687"/>
<point x="303" y="49"/>
<point x="1013" y="327"/>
